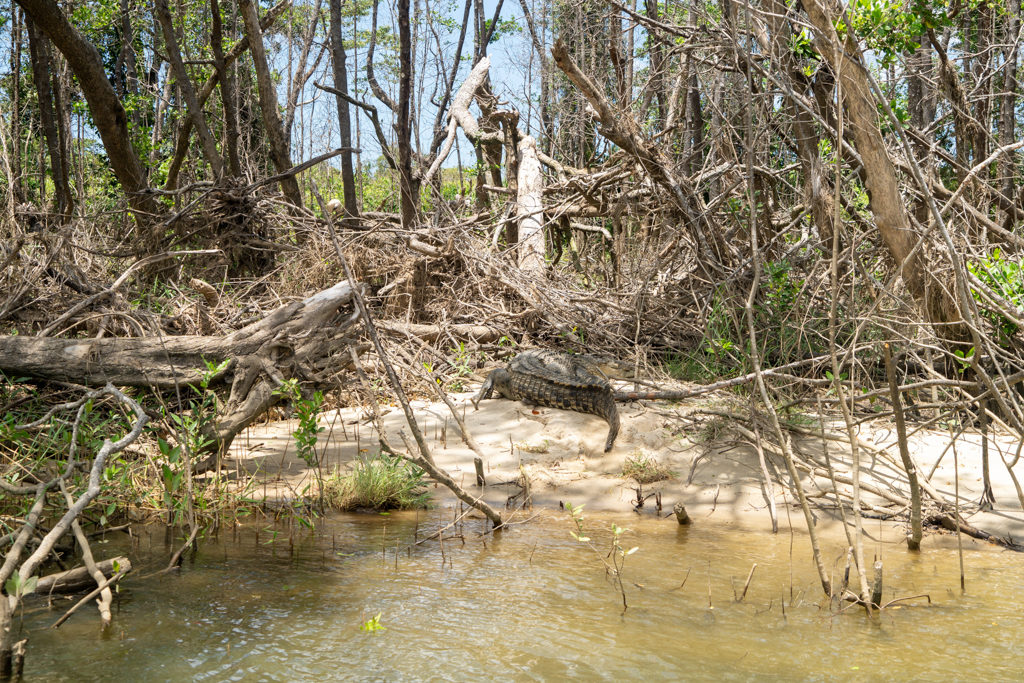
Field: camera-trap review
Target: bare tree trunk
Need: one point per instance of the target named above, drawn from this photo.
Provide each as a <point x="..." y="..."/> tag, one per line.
<point x="299" y="74"/>
<point x="163" y="99"/>
<point x="108" y="114"/>
<point x="1007" y="108"/>
<point x="529" y="207"/>
<point x="657" y="68"/>
<point x="227" y="90"/>
<point x="537" y="38"/>
<point x="921" y="103"/>
<point x="181" y="147"/>
<point x="188" y="93"/>
<point x="41" y="66"/>
<point x="62" y="114"/>
<point x="348" y="179"/>
<point x="16" y="40"/>
<point x="817" y="193"/>
<point x="885" y="201"/>
<point x="409" y="186"/>
<point x="371" y="76"/>
<point x="268" y="104"/>
<point x="127" y="57"/>
<point x="439" y="128"/>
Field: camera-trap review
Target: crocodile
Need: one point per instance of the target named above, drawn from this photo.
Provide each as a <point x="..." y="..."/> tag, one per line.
<point x="556" y="380"/>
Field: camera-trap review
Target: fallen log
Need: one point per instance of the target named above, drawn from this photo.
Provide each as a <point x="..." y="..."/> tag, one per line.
<point x="78" y="579"/>
<point x="297" y="340"/>
<point x="431" y="333"/>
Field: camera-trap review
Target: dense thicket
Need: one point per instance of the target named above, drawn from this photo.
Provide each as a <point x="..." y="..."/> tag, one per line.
<point x="708" y="189"/>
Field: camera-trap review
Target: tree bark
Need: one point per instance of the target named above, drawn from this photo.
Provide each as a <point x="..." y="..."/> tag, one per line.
<point x="885" y="201"/>
<point x="657" y="69"/>
<point x="297" y="340"/>
<point x="39" y="51"/>
<point x="268" y="104"/>
<point x="1007" y="108"/>
<point x="371" y="76"/>
<point x="817" y="192"/>
<point x="622" y="129"/>
<point x="16" y="40"/>
<point x="188" y="93"/>
<point x="300" y="73"/>
<point x="227" y="91"/>
<point x="921" y="103"/>
<point x="181" y="147"/>
<point x="409" y="186"/>
<point x="348" y="179"/>
<point x="108" y="114"/>
<point x="127" y="56"/>
<point x="530" y="207"/>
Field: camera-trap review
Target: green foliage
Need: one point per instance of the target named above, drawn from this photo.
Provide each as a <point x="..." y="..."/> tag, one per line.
<point x="505" y="27"/>
<point x="576" y="513"/>
<point x="718" y="355"/>
<point x="461" y="366"/>
<point x="892" y="28"/>
<point x="171" y="476"/>
<point x="306" y="435"/>
<point x="307" y="410"/>
<point x="964" y="359"/>
<point x="194" y="426"/>
<point x="616" y="552"/>
<point x="801" y="47"/>
<point x="18" y="587"/>
<point x="1004" y="276"/>
<point x="192" y="430"/>
<point x="377" y="482"/>
<point x="372" y="625"/>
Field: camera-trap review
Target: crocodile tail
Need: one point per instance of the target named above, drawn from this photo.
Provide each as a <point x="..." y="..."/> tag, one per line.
<point x="611" y="414"/>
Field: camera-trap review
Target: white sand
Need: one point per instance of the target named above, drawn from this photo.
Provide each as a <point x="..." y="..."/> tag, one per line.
<point x="717" y="477"/>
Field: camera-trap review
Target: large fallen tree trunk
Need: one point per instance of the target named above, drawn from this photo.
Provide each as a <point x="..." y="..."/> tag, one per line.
<point x="79" y="579"/>
<point x="297" y="340"/>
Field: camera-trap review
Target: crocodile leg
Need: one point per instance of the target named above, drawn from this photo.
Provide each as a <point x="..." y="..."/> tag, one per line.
<point x="486" y="389"/>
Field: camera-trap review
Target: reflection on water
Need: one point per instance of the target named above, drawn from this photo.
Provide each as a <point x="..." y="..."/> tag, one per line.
<point x="530" y="604"/>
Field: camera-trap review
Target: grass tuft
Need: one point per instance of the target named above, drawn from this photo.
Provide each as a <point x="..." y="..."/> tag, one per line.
<point x="645" y="470"/>
<point x="378" y="482"/>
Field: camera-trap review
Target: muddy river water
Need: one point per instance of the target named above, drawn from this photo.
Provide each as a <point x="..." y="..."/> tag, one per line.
<point x="530" y="604"/>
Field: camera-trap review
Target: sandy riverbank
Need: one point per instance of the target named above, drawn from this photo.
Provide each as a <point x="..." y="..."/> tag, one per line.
<point x="717" y="475"/>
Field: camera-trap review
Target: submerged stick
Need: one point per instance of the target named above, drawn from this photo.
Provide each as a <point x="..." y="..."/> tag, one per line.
<point x="442" y="477"/>
<point x="747" y="584"/>
<point x="103" y="586"/>
<point x="479" y="465"/>
<point x="876" y="586"/>
<point x="682" y="516"/>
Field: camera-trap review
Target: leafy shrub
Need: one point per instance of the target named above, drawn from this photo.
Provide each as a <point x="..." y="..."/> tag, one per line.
<point x="1005" y="276"/>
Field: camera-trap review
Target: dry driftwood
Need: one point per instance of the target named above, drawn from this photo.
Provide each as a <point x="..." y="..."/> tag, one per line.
<point x="77" y="579"/>
<point x="296" y="340"/>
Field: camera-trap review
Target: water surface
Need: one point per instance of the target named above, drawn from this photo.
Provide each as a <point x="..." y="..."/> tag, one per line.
<point x="530" y="604"/>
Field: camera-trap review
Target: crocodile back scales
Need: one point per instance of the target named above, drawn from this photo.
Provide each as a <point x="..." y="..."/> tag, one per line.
<point x="558" y="381"/>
